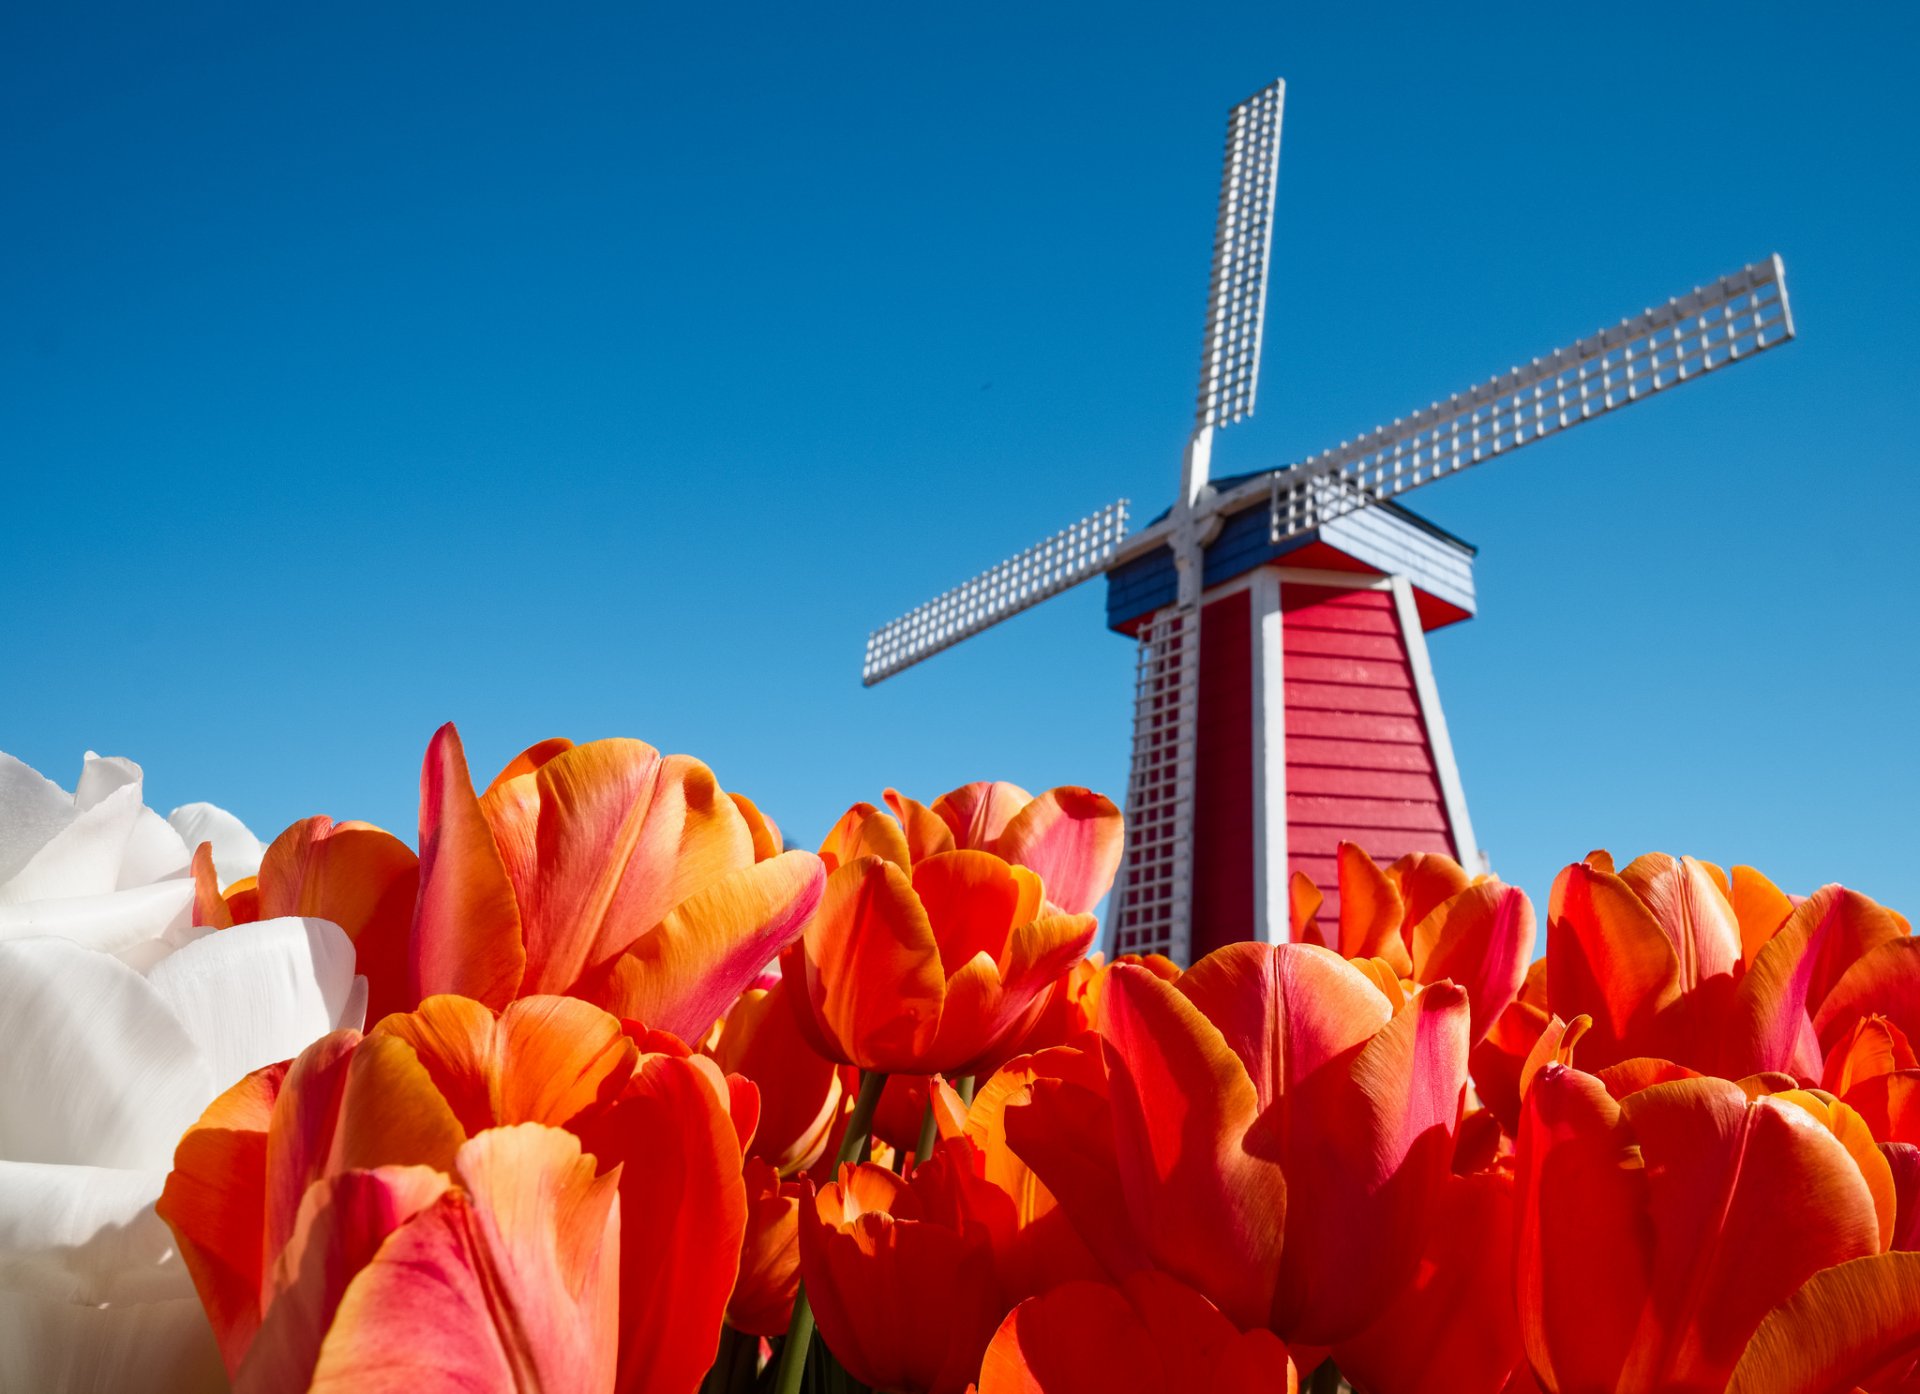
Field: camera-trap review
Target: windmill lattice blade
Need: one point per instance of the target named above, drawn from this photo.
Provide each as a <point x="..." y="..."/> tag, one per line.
<point x="1242" y="245"/>
<point x="1018" y="583"/>
<point x="1733" y="319"/>
<point x="1151" y="909"/>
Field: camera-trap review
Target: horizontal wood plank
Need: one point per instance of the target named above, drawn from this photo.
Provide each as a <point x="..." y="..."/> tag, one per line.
<point x="1365" y="813"/>
<point x="1408" y="756"/>
<point x="1309" y="668"/>
<point x="1357" y="726"/>
<point x="1362" y="784"/>
<point x="1344" y="697"/>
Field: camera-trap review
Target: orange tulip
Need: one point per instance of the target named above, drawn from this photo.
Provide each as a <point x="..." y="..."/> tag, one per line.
<point x="901" y="1276"/>
<point x="605" y="871"/>
<point x="1661" y="959"/>
<point x="292" y="1194"/>
<point x="1069" y="836"/>
<point x="762" y="1301"/>
<point x="1427" y="921"/>
<point x="1268" y="1129"/>
<point x="801" y="1092"/>
<point x="1657" y="1231"/>
<point x="1151" y="1334"/>
<point x="934" y="971"/>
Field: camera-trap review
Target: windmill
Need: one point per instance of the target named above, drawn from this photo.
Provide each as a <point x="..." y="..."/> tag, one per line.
<point x="1283" y="696"/>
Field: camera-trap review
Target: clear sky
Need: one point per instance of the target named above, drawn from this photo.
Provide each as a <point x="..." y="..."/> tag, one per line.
<point x="613" y="370"/>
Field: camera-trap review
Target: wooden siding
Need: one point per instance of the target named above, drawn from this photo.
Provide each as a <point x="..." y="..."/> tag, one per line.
<point x="1359" y="763"/>
<point x="1223" y="777"/>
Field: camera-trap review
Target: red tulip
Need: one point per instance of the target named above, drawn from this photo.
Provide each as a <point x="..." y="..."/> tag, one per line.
<point x="900" y="1275"/>
<point x="1150" y="1334"/>
<point x="322" y="1164"/>
<point x="1425" y="920"/>
<point x="1658" y="1230"/>
<point x="1269" y="1130"/>
<point x="934" y="972"/>
<point x="762" y="1301"/>
<point x="801" y="1091"/>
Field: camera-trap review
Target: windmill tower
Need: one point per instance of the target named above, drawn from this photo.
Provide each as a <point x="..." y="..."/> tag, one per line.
<point x="1284" y="701"/>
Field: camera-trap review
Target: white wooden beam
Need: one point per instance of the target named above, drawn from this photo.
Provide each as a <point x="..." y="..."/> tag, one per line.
<point x="1271" y="917"/>
<point x="1445" y="767"/>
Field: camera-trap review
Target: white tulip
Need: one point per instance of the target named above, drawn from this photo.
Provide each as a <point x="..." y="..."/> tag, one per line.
<point x="120" y="1021"/>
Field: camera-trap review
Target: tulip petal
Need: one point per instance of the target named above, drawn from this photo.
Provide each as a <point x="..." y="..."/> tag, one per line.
<point x="927" y="833"/>
<point x="359" y="877"/>
<point x="970" y="899"/>
<point x="1210" y="1201"/>
<point x="1748" y="1198"/>
<point x="680" y="976"/>
<point x="1608" y="958"/>
<point x="154" y="1347"/>
<point x="683" y="1214"/>
<point x="509" y="1284"/>
<point x="1482" y="939"/>
<point x="1875" y="1046"/>
<point x="864" y="831"/>
<point x="800" y="1090"/>
<point x="1304" y="900"/>
<point x="1761" y="908"/>
<point x="235" y="851"/>
<point x="466" y="924"/>
<point x="209" y="906"/>
<point x="601" y="842"/>
<point x="1848" y="1326"/>
<point x="767" y="841"/>
<point x="762" y="1300"/>
<point x="1371" y="911"/>
<point x="1081" y="1338"/>
<point x="342" y="1223"/>
<point x="1072" y="837"/>
<point x="85" y="1235"/>
<point x="979" y="812"/>
<point x="1426" y="880"/>
<point x="1582" y="1193"/>
<point x="1771" y="1026"/>
<point x="1453" y="1329"/>
<point x="1885" y="981"/>
<point x="215" y="1202"/>
<point x="1687" y="903"/>
<point x="866" y="977"/>
<point x="544" y="1060"/>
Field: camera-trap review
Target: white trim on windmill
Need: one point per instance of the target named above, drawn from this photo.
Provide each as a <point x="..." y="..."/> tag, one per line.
<point x="1728" y="321"/>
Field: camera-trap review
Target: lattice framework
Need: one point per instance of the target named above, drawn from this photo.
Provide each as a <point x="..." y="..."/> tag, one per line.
<point x="1019" y="583"/>
<point x="1690" y="336"/>
<point x="1242" y="248"/>
<point x="1153" y="894"/>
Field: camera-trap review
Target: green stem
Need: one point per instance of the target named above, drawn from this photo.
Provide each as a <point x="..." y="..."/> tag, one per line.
<point x="793" y="1351"/>
<point x="927" y="1130"/>
<point x="1326" y="1379"/>
<point x="966" y="1090"/>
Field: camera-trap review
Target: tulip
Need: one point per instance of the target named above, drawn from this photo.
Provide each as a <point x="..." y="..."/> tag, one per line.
<point x="123" y="1019"/>
<point x="901" y="1275"/>
<point x="1069" y="836"/>
<point x="1424" y="919"/>
<point x="1269" y="1130"/>
<point x="385" y="1120"/>
<point x="1658" y="1230"/>
<point x="1152" y="1334"/>
<point x="801" y="1092"/>
<point x="762" y="1301"/>
<point x="936" y="971"/>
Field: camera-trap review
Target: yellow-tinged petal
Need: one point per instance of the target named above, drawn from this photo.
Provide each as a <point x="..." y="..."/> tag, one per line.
<point x="927" y="832"/>
<point x="1845" y="1329"/>
<point x="864" y="831"/>
<point x="1371" y="912"/>
<point x="979" y="812"/>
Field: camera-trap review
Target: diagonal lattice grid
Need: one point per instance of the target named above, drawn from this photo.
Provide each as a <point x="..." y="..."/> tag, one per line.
<point x="1242" y="246"/>
<point x="1153" y="894"/>
<point x="1019" y="583"/>
<point x="1730" y="321"/>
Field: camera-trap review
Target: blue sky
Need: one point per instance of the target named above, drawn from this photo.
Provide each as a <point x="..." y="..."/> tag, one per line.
<point x="612" y="370"/>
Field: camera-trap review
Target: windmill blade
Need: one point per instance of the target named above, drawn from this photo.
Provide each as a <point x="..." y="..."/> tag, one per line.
<point x="1732" y="320"/>
<point x="1019" y="583"/>
<point x="1242" y="247"/>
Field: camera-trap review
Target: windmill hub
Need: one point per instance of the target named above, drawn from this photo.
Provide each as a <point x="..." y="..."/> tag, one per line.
<point x="1284" y="701"/>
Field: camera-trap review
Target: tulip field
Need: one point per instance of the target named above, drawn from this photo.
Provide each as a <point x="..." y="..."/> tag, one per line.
<point x="597" y="1086"/>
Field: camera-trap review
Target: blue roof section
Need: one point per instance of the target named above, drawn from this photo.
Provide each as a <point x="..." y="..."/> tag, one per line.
<point x="1385" y="536"/>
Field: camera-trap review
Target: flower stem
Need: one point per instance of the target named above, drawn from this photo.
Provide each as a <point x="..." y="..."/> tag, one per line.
<point x="966" y="1090"/>
<point x="793" y="1351"/>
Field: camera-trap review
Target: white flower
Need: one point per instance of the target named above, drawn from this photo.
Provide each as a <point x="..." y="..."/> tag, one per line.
<point x="120" y="1021"/>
